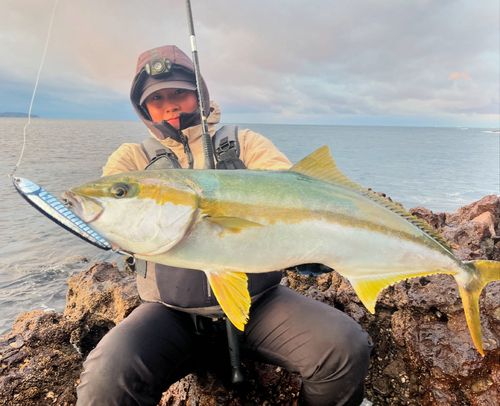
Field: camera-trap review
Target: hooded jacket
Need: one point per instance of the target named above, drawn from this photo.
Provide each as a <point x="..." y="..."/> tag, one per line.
<point x="179" y="62"/>
<point x="188" y="289"/>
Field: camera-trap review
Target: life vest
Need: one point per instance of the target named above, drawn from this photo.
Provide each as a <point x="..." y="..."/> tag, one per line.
<point x="188" y="289"/>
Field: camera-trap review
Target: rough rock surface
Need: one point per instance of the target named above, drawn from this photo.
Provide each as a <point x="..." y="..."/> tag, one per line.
<point x="265" y="385"/>
<point x="423" y="352"/>
<point x="41" y="358"/>
<point x="39" y="365"/>
<point x="98" y="299"/>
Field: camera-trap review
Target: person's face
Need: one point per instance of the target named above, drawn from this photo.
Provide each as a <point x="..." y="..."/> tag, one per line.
<point x="167" y="104"/>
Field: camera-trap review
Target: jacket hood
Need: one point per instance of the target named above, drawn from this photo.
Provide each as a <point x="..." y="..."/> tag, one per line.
<point x="181" y="64"/>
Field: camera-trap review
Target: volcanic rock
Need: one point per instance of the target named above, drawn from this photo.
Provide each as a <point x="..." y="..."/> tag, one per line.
<point x="39" y="365"/>
<point x="472" y="231"/>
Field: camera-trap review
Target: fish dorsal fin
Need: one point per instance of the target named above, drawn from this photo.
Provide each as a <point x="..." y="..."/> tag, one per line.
<point x="320" y="165"/>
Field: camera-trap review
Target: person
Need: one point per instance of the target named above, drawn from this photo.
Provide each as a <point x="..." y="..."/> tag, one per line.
<point x="178" y="322"/>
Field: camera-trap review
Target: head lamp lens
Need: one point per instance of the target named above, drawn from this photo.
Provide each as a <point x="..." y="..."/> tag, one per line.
<point x="159" y="66"/>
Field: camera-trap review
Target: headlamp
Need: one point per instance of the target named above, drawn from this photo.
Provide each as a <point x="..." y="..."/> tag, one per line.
<point x="159" y="67"/>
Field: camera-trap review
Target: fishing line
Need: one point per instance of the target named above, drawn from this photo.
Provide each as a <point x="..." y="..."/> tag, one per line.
<point x="42" y="200"/>
<point x="11" y="175"/>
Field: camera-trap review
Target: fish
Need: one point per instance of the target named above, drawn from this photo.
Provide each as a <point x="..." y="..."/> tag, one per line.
<point x="232" y="223"/>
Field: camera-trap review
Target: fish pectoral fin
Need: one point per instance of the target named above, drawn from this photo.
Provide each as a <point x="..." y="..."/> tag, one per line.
<point x="367" y="287"/>
<point x="235" y="224"/>
<point x="231" y="291"/>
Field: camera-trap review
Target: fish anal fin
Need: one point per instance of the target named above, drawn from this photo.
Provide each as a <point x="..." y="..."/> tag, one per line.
<point x="231" y="291"/>
<point x="234" y="224"/>
<point x="368" y="287"/>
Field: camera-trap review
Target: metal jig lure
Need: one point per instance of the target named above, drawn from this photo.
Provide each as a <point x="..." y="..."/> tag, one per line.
<point x="52" y="208"/>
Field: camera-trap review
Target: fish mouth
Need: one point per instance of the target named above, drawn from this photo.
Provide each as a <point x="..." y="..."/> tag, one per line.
<point x="86" y="208"/>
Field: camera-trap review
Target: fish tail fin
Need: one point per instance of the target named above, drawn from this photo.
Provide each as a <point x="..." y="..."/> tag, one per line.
<point x="487" y="271"/>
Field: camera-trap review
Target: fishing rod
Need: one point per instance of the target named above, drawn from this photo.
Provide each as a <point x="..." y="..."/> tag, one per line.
<point x="237" y="376"/>
<point x="207" y="141"/>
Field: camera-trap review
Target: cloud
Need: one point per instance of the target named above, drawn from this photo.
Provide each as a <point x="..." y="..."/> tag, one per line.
<point x="459" y="75"/>
<point x="313" y="60"/>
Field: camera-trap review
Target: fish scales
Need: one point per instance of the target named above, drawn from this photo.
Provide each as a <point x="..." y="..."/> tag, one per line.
<point x="230" y="223"/>
<point x="319" y="228"/>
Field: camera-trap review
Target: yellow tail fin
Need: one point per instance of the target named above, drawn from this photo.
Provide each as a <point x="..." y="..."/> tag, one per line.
<point x="488" y="271"/>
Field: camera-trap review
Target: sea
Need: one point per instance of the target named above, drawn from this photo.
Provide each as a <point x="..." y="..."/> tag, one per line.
<point x="439" y="168"/>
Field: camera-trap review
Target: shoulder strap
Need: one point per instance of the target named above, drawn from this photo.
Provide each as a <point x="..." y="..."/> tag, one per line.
<point x="158" y="155"/>
<point x="227" y="148"/>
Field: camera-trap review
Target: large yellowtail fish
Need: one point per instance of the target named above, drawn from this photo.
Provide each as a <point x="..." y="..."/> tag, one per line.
<point x="228" y="223"/>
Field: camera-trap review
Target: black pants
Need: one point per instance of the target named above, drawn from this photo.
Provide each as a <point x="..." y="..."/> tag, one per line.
<point x="155" y="346"/>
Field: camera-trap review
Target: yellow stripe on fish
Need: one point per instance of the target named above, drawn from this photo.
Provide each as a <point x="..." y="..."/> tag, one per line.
<point x="275" y="214"/>
<point x="162" y="194"/>
<point x="129" y="188"/>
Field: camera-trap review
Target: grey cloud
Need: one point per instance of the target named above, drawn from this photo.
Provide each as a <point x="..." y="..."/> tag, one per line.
<point x="311" y="58"/>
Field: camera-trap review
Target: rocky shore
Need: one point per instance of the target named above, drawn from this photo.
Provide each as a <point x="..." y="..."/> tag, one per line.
<point x="423" y="352"/>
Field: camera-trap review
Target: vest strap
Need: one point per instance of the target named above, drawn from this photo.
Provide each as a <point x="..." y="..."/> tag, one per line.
<point x="227" y="148"/>
<point x="158" y="155"/>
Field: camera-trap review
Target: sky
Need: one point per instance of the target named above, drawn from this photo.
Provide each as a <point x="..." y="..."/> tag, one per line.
<point x="329" y="62"/>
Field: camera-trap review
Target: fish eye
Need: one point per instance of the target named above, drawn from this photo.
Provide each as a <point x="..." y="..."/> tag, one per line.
<point x="120" y="190"/>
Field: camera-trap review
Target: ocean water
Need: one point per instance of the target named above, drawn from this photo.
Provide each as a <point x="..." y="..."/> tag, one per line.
<point x="441" y="169"/>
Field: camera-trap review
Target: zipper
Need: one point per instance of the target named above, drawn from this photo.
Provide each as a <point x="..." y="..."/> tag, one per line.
<point x="187" y="150"/>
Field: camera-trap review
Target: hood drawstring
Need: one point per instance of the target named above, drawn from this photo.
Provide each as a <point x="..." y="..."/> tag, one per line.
<point x="187" y="150"/>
